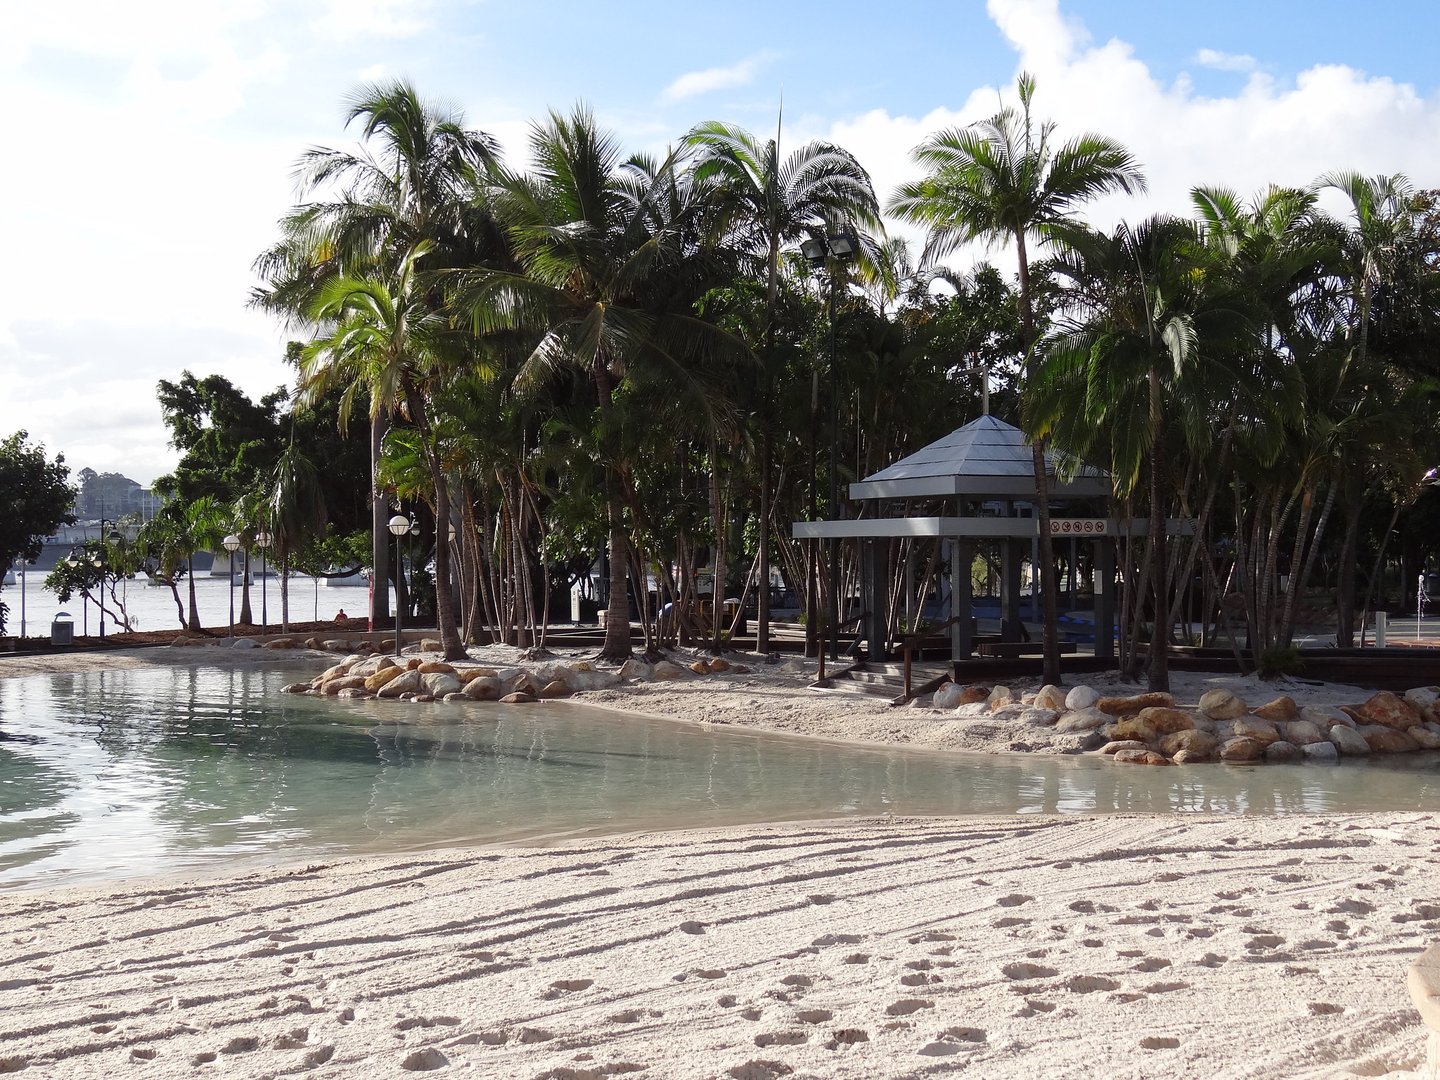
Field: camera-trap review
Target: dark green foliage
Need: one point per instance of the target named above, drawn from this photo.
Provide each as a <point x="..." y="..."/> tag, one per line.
<point x="35" y="500"/>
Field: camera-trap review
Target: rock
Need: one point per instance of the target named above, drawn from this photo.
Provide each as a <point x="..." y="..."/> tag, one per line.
<point x="1255" y="727"/>
<point x="1166" y="721"/>
<point x="296" y="688"/>
<point x="517" y="681"/>
<point x="333" y="672"/>
<point x="1424" y="737"/>
<point x="1050" y="697"/>
<point x="431" y="644"/>
<point x="1141" y="757"/>
<point x="974" y="694"/>
<point x="589" y="679"/>
<point x="244" y="643"/>
<point x="700" y="667"/>
<point x="1038" y="717"/>
<point x="370" y="665"/>
<point x="413" y="663"/>
<point x="719" y="665"/>
<point x="458" y="695"/>
<point x="1322" y="752"/>
<point x="792" y="667"/>
<point x="1303" y="733"/>
<point x="973" y="710"/>
<point x="1348" y="741"/>
<point x="332" y="687"/>
<point x="1081" y="697"/>
<point x="1222" y="705"/>
<point x="335" y="645"/>
<point x="1426" y="699"/>
<point x="1081" y="720"/>
<point x="312" y="643"/>
<point x="1197" y="745"/>
<point x="280" y="643"/>
<point x="556" y="689"/>
<point x="439" y="683"/>
<point x="1281" y="752"/>
<point x="470" y="674"/>
<point x="946" y="696"/>
<point x="1242" y="749"/>
<point x="1185" y="757"/>
<point x="665" y="671"/>
<point x="1128" y="706"/>
<point x="1114" y="746"/>
<point x="404" y="682"/>
<point x="1386" y="740"/>
<point x="1132" y="728"/>
<point x="999" y="697"/>
<point x="635" y="668"/>
<point x="518" y="699"/>
<point x="484" y="688"/>
<point x="740" y="669"/>
<point x="1324" y="717"/>
<point x="422" y="699"/>
<point x="428" y="667"/>
<point x="355" y="692"/>
<point x="1391" y="711"/>
<point x="1281" y="710"/>
<point x="383" y="676"/>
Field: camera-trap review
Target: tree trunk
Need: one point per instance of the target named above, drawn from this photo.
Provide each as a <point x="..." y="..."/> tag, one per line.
<point x="193" y="623"/>
<point x="1345" y="585"/>
<point x="1159" y="674"/>
<point x="379" y="530"/>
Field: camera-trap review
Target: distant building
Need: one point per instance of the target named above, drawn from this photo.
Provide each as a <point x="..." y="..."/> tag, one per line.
<point x="112" y="497"/>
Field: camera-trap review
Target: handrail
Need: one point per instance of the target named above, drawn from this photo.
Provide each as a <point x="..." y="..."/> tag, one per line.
<point x="909" y="643"/>
<point x="820" y="642"/>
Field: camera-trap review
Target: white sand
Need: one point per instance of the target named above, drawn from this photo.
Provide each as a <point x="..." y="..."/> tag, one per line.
<point x="1079" y="947"/>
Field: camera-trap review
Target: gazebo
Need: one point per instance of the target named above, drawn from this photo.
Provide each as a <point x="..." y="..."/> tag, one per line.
<point x="976" y="484"/>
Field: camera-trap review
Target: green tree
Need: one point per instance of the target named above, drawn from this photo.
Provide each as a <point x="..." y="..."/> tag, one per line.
<point x="35" y="500"/>
<point x="1003" y="180"/>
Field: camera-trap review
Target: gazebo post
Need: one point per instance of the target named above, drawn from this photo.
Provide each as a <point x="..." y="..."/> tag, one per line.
<point x="1010" y="624"/>
<point x="1105" y="597"/>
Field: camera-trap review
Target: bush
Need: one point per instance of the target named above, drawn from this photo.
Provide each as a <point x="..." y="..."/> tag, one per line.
<point x="1273" y="663"/>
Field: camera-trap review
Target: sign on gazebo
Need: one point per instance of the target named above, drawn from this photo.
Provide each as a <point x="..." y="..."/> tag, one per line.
<point x="1079" y="527"/>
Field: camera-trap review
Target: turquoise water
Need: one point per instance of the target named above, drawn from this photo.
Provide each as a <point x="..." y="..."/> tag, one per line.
<point x="166" y="770"/>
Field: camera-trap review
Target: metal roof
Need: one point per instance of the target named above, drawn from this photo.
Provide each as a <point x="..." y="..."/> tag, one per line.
<point x="985" y="457"/>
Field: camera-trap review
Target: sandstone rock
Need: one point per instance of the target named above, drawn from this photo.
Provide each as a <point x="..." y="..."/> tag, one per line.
<point x="518" y="699"/>
<point x="1281" y="710"/>
<point x="1000" y="696"/>
<point x="1281" y="752"/>
<point x="1322" y="752"/>
<point x="1386" y="740"/>
<point x="718" y="665"/>
<point x="429" y="666"/>
<point x="1357" y="718"/>
<point x="1325" y="717"/>
<point x="665" y="671"/>
<point x="458" y="695"/>
<point x="1426" y="699"/>
<point x="1128" y="706"/>
<point x="244" y="643"/>
<point x="1391" y="711"/>
<point x="1032" y="717"/>
<point x="1081" y="697"/>
<point x="1166" y="721"/>
<point x="556" y="689"/>
<point x="1222" y="705"/>
<point x="422" y="699"/>
<point x="355" y="692"/>
<point x="1303" y="733"/>
<point x="1185" y="757"/>
<point x="334" y="672"/>
<point x="1242" y="749"/>
<point x="413" y="663"/>
<point x="1424" y="737"/>
<point x="370" y="665"/>
<point x="296" y="688"/>
<point x="635" y="668"/>
<point x="1114" y="746"/>
<point x="946" y="696"/>
<point x="439" y="683"/>
<point x="582" y="679"/>
<point x="972" y="710"/>
<point x="1081" y="720"/>
<point x="1132" y="727"/>
<point x="1348" y="741"/>
<point x="1050" y="697"/>
<point x="403" y="682"/>
<point x="1196" y="744"/>
<point x="1141" y="757"/>
<point x="383" y="676"/>
<point x="280" y="643"/>
<point x="974" y="694"/>
<point x="701" y="667"/>
<point x="740" y="669"/>
<point x="335" y="645"/>
<point x="431" y="644"/>
<point x="470" y="674"/>
<point x="582" y="665"/>
<point x="483" y="688"/>
<point x="332" y="687"/>
<point x="1255" y="727"/>
<point x="312" y="643"/>
<point x="792" y="667"/>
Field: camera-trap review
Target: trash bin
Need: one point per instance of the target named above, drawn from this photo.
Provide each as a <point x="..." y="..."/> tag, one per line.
<point x="62" y="629"/>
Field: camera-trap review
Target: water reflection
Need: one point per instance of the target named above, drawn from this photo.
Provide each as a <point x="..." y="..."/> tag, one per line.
<point x="104" y="774"/>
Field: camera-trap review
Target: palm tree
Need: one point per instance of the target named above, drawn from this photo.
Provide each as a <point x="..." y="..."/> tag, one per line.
<point x="1001" y="181"/>
<point x="296" y="508"/>
<point x="763" y="203"/>
<point x="409" y="183"/>
<point x="609" y="270"/>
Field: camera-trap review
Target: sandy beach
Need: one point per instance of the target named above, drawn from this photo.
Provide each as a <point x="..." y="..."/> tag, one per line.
<point x="1252" y="946"/>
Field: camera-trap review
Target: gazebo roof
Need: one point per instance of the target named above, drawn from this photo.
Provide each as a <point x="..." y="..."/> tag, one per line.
<point x="987" y="457"/>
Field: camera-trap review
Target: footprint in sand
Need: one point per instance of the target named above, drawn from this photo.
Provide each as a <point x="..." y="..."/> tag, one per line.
<point x="846" y="1037"/>
<point x="919" y="965"/>
<point x="1089" y="984"/>
<point x="142" y="1053"/>
<point x="562" y="987"/>
<point x="1350" y="907"/>
<point x="814" y="1016"/>
<point x="1324" y="1008"/>
<point x="1014" y="900"/>
<point x="906" y="1006"/>
<point x="727" y="1001"/>
<point x="1092" y="943"/>
<point x="798" y="980"/>
<point x="759" y="1070"/>
<point x="1159" y="1042"/>
<point x="424" y="1060"/>
<point x="1264" y="941"/>
<point x="690" y="926"/>
<point x="1152" y="963"/>
<point x="1020" y="971"/>
<point x="204" y="1058"/>
<point x="781" y="1038"/>
<point x="964" y="1034"/>
<point x="919" y="979"/>
<point x="293" y="1039"/>
<point x="750" y="1014"/>
<point x="1084" y="907"/>
<point x="1165" y="987"/>
<point x="426" y="1022"/>
<point x="1211" y="960"/>
<point x="857" y="958"/>
<point x="479" y="1038"/>
<point x="711" y="973"/>
<point x="100" y="1029"/>
<point x="836" y="939"/>
<point x="1008" y="921"/>
<point x="821" y="899"/>
<point x="529" y="1035"/>
<point x="931" y="935"/>
<point x="1287" y="879"/>
<point x="1171" y="876"/>
<point x="241" y="1044"/>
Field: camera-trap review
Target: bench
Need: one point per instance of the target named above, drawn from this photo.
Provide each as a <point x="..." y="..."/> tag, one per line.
<point x="1015" y="649"/>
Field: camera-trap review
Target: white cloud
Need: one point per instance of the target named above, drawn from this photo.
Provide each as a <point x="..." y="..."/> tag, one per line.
<point x="1223" y="61"/>
<point x="694" y="83"/>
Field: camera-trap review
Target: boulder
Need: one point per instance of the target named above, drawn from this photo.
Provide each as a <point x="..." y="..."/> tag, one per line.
<point x="470" y="674"/>
<point x="1386" y="740"/>
<point x="1000" y="696"/>
<point x="972" y="710"/>
<point x="1038" y="717"/>
<point x="1081" y="697"/>
<point x="1257" y="728"/>
<point x="1166" y="721"/>
<point x="1197" y="745"/>
<point x="1348" y="741"/>
<point x="371" y="664"/>
<point x="439" y="683"/>
<point x="635" y="668"/>
<point x="1303" y="733"/>
<point x="519" y="682"/>
<point x="1281" y="752"/>
<point x="355" y="692"/>
<point x="296" y="688"/>
<point x="1128" y="706"/>
<point x="974" y="694"/>
<point x="665" y="671"/>
<point x="374" y="682"/>
<point x="1281" y="710"/>
<point x="458" y="695"/>
<point x="312" y="643"/>
<point x="280" y="643"/>
<point x="1050" y="697"/>
<point x="558" y="688"/>
<point x="404" y="682"/>
<point x="946" y="696"/>
<point x="484" y="688"/>
<point x="1322" y="752"/>
<point x="793" y="667"/>
<point x="1222" y="705"/>
<point x="1424" y="737"/>
<point x="422" y="699"/>
<point x="428" y="667"/>
<point x="1185" y="757"/>
<point x="701" y="667"/>
<point x="335" y="645"/>
<point x="1141" y="757"/>
<point x="413" y="663"/>
<point x="1242" y="749"/>
<point x="1324" y="717"/>
<point x="518" y="699"/>
<point x="1081" y="720"/>
<point x="334" y="672"/>
<point x="719" y="665"/>
<point x="1132" y="727"/>
<point x="1114" y="746"/>
<point x="343" y="682"/>
<point x="588" y="678"/>
<point x="1426" y="699"/>
<point x="431" y="644"/>
<point x="740" y="669"/>
<point x="1392" y="711"/>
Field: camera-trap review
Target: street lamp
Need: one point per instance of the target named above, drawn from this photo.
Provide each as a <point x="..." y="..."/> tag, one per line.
<point x="231" y="544"/>
<point x="263" y="542"/>
<point x="399" y="526"/>
<point x="840" y="247"/>
<point x="113" y="536"/>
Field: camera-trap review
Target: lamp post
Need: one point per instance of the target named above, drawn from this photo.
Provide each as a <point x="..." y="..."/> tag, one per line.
<point x="263" y="542"/>
<point x="231" y="544"/>
<point x="839" y="246"/>
<point x="113" y="536"/>
<point x="399" y="526"/>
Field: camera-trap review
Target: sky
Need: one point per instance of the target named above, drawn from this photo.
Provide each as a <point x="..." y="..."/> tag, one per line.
<point x="150" y="149"/>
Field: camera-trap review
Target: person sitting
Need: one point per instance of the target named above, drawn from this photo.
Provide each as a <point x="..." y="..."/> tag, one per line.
<point x="340" y="615"/>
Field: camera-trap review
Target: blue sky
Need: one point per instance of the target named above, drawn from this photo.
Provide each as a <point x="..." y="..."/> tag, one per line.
<point x="153" y="154"/>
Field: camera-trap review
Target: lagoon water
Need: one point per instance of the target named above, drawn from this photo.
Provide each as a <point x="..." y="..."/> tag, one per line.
<point x="169" y="770"/>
